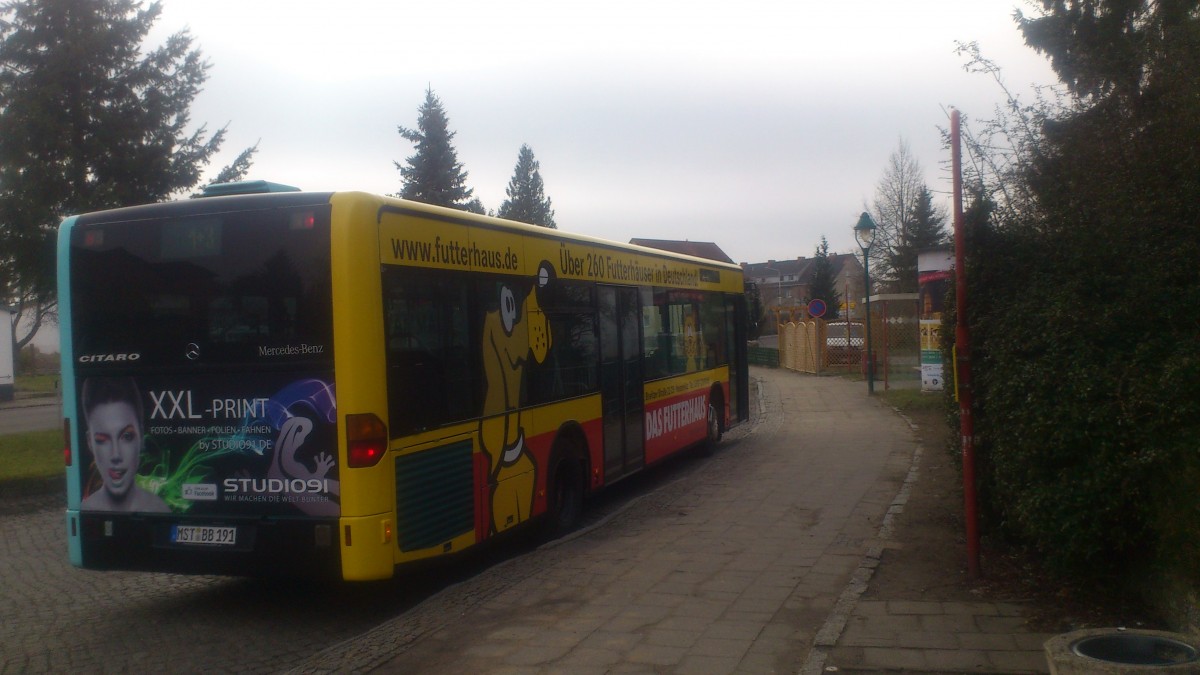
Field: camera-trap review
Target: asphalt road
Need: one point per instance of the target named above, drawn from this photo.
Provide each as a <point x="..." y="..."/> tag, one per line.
<point x="15" y="419"/>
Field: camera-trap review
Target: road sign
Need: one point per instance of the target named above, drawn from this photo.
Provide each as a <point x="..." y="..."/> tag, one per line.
<point x="816" y="308"/>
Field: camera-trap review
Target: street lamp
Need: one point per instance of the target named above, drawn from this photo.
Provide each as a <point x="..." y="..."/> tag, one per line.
<point x="864" y="233"/>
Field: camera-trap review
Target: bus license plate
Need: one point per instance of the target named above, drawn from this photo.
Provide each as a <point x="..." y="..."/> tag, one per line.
<point x="204" y="534"/>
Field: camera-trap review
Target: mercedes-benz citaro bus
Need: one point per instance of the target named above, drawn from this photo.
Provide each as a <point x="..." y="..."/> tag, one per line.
<point x="273" y="382"/>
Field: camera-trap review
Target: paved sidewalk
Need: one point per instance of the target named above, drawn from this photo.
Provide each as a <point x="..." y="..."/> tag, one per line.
<point x="938" y="637"/>
<point x="753" y="560"/>
<point x="924" y="625"/>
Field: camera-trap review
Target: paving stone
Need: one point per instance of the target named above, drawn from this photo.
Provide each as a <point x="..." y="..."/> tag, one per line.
<point x="957" y="660"/>
<point x="988" y="641"/>
<point x="899" y="607"/>
<point x="893" y="658"/>
<point x="697" y="664"/>
<point x="657" y="655"/>
<point x="1018" y="662"/>
<point x="927" y="640"/>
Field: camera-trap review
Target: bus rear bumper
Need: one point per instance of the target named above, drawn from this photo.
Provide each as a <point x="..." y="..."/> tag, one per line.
<point x="301" y="547"/>
<point x="368" y="547"/>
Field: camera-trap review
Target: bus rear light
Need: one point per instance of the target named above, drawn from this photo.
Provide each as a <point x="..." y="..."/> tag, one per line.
<point x="364" y="454"/>
<point x="305" y="220"/>
<point x="366" y="440"/>
<point x="67" y="441"/>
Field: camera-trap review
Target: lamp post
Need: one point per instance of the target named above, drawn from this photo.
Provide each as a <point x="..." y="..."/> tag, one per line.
<point x="864" y="233"/>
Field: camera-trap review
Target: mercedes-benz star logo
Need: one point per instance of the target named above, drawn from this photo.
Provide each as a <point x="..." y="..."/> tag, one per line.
<point x="192" y="351"/>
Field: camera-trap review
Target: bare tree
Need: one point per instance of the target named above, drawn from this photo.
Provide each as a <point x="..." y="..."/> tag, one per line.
<point x="894" y="208"/>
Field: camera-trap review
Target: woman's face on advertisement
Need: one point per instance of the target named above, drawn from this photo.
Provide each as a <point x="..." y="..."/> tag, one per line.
<point x="115" y="439"/>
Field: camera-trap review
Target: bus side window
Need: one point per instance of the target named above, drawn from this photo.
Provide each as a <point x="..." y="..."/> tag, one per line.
<point x="712" y="321"/>
<point x="682" y="332"/>
<point x="570" y="368"/>
<point x="656" y="341"/>
<point x="430" y="377"/>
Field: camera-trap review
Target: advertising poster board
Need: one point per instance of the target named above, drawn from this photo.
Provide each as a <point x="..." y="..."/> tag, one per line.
<point x="933" y="268"/>
<point x="259" y="444"/>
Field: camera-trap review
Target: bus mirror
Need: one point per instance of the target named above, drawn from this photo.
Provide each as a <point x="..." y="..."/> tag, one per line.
<point x="366" y="440"/>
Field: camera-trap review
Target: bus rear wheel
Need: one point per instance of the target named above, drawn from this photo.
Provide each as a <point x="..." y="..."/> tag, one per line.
<point x="715" y="427"/>
<point x="566" y="498"/>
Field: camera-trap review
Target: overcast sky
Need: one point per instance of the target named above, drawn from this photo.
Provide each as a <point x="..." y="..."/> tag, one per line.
<point x="759" y="125"/>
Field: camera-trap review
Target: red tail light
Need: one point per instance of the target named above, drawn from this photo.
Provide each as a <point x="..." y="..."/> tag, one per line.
<point x="306" y="220"/>
<point x="67" y="441"/>
<point x="366" y="440"/>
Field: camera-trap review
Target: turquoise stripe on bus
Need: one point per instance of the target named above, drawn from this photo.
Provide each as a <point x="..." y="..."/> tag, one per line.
<point x="67" y="375"/>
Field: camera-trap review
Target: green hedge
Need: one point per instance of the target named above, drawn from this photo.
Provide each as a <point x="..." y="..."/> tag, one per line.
<point x="1086" y="363"/>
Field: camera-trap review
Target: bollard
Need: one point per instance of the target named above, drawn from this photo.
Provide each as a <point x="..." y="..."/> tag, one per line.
<point x="1118" y="651"/>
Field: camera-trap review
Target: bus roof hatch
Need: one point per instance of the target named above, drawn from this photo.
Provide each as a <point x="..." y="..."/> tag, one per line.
<point x="246" y="187"/>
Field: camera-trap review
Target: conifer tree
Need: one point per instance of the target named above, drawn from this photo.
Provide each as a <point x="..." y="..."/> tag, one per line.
<point x="907" y="221"/>
<point x="238" y="167"/>
<point x="433" y="175"/>
<point x="90" y="118"/>
<point x="924" y="228"/>
<point x="822" y="285"/>
<point x="527" y="201"/>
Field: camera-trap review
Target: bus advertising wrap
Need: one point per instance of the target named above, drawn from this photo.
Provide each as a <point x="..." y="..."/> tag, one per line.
<point x="465" y="247"/>
<point x="676" y="414"/>
<point x="256" y="444"/>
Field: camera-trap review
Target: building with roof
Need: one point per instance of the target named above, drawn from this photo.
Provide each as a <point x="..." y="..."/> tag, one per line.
<point x="699" y="249"/>
<point x="783" y="286"/>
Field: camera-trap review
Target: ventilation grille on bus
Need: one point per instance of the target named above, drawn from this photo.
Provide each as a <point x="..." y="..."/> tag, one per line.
<point x="434" y="501"/>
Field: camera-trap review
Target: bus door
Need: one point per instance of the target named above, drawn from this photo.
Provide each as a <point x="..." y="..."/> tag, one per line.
<point x="621" y="380"/>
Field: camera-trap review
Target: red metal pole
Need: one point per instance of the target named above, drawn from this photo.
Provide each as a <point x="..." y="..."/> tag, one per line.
<point x="962" y="342"/>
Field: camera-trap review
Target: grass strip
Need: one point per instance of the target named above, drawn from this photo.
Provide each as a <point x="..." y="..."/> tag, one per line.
<point x="33" y="454"/>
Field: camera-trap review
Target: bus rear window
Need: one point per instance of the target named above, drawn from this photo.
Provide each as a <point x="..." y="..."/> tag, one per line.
<point x="250" y="286"/>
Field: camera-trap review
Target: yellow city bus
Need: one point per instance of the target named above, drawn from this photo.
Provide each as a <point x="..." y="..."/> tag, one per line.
<point x="281" y="382"/>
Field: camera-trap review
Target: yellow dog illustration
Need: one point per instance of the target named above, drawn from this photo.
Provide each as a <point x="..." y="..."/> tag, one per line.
<point x="511" y="335"/>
